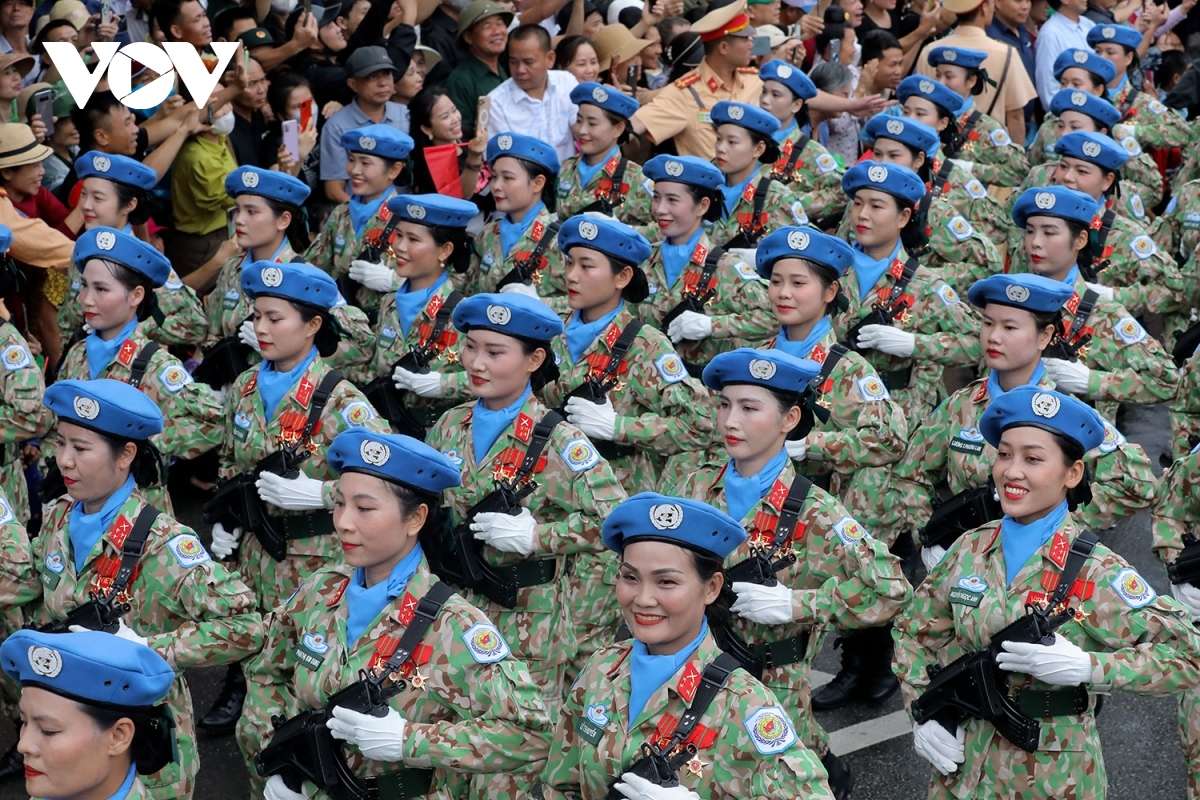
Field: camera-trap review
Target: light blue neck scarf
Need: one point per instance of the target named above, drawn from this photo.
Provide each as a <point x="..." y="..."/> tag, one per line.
<point x="580" y="334"/>
<point x="647" y="673"/>
<point x="742" y="493"/>
<point x="586" y="172"/>
<point x="782" y="134"/>
<point x="364" y="605"/>
<point x="487" y="425"/>
<point x="272" y="385"/>
<point x="733" y="193"/>
<point x="993" y="382"/>
<point x="511" y="232"/>
<point x="1019" y="542"/>
<point x="100" y="353"/>
<point x="804" y="347"/>
<point x="361" y="212"/>
<point x="1116" y="90"/>
<point x="676" y="256"/>
<point x="869" y="271"/>
<point x="409" y="303"/>
<point x="85" y="530"/>
<point x="127" y="786"/>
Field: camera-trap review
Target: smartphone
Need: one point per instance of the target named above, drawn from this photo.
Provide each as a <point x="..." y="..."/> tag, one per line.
<point x="43" y="105"/>
<point x="762" y="46"/>
<point x="291" y="138"/>
<point x="835" y="49"/>
<point x="245" y="59"/>
<point x="483" y="113"/>
<point x="105" y="13"/>
<point x="210" y="115"/>
<point x="631" y="74"/>
<point x="307" y="6"/>
<point x="306" y="113"/>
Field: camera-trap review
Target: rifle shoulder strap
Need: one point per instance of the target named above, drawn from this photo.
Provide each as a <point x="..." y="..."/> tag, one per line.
<point x="132" y="548"/>
<point x="427" y="610"/>
<point x="320" y="399"/>
<point x="615" y="195"/>
<point x="1106" y="226"/>
<point x="831" y="360"/>
<point x="1127" y="104"/>
<point x="793" y="504"/>
<point x="549" y="237"/>
<point x="898" y="288"/>
<point x="537" y="443"/>
<point x="1081" y="551"/>
<point x="760" y="203"/>
<point x="971" y="121"/>
<point x="712" y="681"/>
<point x="794" y="157"/>
<point x="939" y="181"/>
<point x="442" y="318"/>
<point x="620" y="349"/>
<point x="137" y="370"/>
<point x="1083" y="311"/>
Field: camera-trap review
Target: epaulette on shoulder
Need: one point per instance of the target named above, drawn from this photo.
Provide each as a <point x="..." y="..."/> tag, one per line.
<point x="687" y="80"/>
<point x="748" y="70"/>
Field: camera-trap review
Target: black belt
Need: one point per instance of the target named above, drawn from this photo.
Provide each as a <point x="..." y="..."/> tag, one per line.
<point x="896" y="379"/>
<point x="1053" y="702"/>
<point x="304" y="526"/>
<point x="399" y="785"/>
<point x="612" y="450"/>
<point x="783" y="652"/>
<point x="529" y="573"/>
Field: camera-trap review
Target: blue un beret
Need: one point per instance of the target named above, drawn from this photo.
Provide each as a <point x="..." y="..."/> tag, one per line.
<point x="687" y="523"/>
<point x="752" y="118"/>
<point x="900" y="182"/>
<point x="773" y="369"/>
<point x="90" y="666"/>
<point x="378" y="140"/>
<point x="523" y="147"/>
<point x="689" y="170"/>
<point x="1103" y="112"/>
<point x="807" y="243"/>
<point x="296" y="281"/>
<point x="6" y="238"/>
<point x="392" y="457"/>
<point x="957" y="57"/>
<point x="790" y="76"/>
<point x="1095" y="148"/>
<point x="129" y="251"/>
<point x="1099" y="66"/>
<point x="911" y="132"/>
<point x="615" y="239"/>
<point x="936" y="92"/>
<point x="1031" y="406"/>
<point x="433" y="210"/>
<point x="1033" y="293"/>
<point x="509" y="313"/>
<point x="594" y="94"/>
<point x="1117" y="34"/>
<point x="1055" y="201"/>
<point x="269" y="183"/>
<point x="105" y="406"/>
<point x="119" y="169"/>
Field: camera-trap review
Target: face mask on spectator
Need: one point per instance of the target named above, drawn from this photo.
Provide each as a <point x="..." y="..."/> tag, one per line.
<point x="283" y="6"/>
<point x="223" y="126"/>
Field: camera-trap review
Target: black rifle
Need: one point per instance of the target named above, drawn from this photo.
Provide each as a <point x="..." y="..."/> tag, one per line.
<point x="1185" y="345"/>
<point x="53" y="485"/>
<point x="886" y="311"/>
<point x="660" y="764"/>
<point x="595" y="388"/>
<point x="1091" y="272"/>
<point x="1068" y="349"/>
<point x="748" y="237"/>
<point x="963" y="512"/>
<point x="975" y="686"/>
<point x="704" y="292"/>
<point x="302" y="747"/>
<point x="528" y="269"/>
<point x="223" y="362"/>
<point x="1186" y="566"/>
<point x="373" y="250"/>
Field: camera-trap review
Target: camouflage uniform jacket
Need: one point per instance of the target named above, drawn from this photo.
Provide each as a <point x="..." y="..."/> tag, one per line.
<point x="996" y="159"/>
<point x="1139" y="176"/>
<point x="1139" y="642"/>
<point x="22" y="415"/>
<point x="193" y="611"/>
<point x="337" y="245"/>
<point x="1151" y="122"/>
<point x="966" y="195"/>
<point x="1177" y="229"/>
<point x="183" y="315"/>
<point x="470" y="707"/>
<point x="815" y="178"/>
<point x="781" y="209"/>
<point x="739" y="308"/>
<point x="1185" y="408"/>
<point x="489" y="264"/>
<point x="946" y="331"/>
<point x="19" y="586"/>
<point x="1177" y="511"/>
<point x="948" y="445"/>
<point x="660" y="410"/>
<point x="574" y="195"/>
<point x="746" y="745"/>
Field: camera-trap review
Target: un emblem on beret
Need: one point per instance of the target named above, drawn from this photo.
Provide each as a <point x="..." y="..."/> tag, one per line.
<point x="250" y="179"/>
<point x="85" y="407"/>
<point x="45" y="661"/>
<point x="106" y="240"/>
<point x="366" y="143"/>
<point x="1091" y="149"/>
<point x="895" y="127"/>
<point x="498" y="315"/>
<point x="666" y="516"/>
<point x="784" y="71"/>
<point x="1078" y="99"/>
<point x="877" y="174"/>
<point x="101" y="164"/>
<point x="949" y="56"/>
<point x="1108" y="32"/>
<point x="798" y="240"/>
<point x="599" y="95"/>
<point x="1081" y="56"/>
<point x="1045" y="405"/>
<point x="1018" y="294"/>
<point x="415" y="211"/>
<point x="674" y="168"/>
<point x="762" y="369"/>
<point x="504" y="142"/>
<point x="736" y="112"/>
<point x="272" y="277"/>
<point x="1044" y="200"/>
<point x="374" y="453"/>
<point x="588" y="230"/>
<point x="926" y="87"/>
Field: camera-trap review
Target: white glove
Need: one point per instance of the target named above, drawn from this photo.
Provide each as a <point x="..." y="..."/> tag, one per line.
<point x="748" y="255"/>
<point x="766" y="605"/>
<point x="224" y="542"/>
<point x="1104" y="291"/>
<point x="511" y="534"/>
<point x="423" y="384"/>
<point x="88" y="329"/>
<point x="247" y="335"/>
<point x="966" y="166"/>
<point x="276" y="789"/>
<point x="797" y="450"/>
<point x="887" y="339"/>
<point x="598" y="421"/>
<point x="691" y="326"/>
<point x="301" y="493"/>
<point x="1189" y="595"/>
<point x="931" y="555"/>
<point x="123" y="631"/>
<point x="221" y="394"/>
<point x="936" y="745"/>
<point x="1061" y="663"/>
<point x="520" y="288"/>
<point x="635" y="787"/>
<point x="374" y="276"/>
<point x="1068" y="376"/>
<point x="379" y="738"/>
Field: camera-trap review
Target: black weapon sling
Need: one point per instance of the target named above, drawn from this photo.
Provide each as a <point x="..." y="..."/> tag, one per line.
<point x="318" y="523"/>
<point x="606" y="205"/>
<point x="793" y="158"/>
<point x="549" y="237"/>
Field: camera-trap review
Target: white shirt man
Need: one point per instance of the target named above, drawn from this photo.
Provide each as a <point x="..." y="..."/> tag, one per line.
<point x="536" y="100"/>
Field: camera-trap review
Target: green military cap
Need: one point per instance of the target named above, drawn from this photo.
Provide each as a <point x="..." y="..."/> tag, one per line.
<point x="256" y="37"/>
<point x="478" y="11"/>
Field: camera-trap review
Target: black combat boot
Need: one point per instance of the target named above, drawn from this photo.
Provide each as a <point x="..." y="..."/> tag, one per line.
<point x="841" y="779"/>
<point x="878" y="682"/>
<point x="227" y="708"/>
<point x="844" y="688"/>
